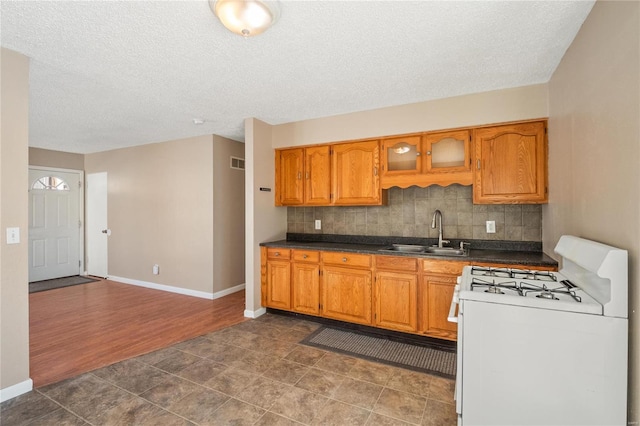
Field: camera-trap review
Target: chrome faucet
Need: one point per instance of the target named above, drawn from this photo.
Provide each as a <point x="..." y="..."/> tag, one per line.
<point x="438" y="214"/>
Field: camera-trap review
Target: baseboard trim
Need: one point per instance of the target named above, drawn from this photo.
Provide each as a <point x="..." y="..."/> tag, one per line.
<point x="228" y="291"/>
<point x="179" y="290"/>
<point x="255" y="314"/>
<point x="16" y="390"/>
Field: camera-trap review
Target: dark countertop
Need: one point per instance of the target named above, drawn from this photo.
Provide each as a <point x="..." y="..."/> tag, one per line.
<point x="526" y="254"/>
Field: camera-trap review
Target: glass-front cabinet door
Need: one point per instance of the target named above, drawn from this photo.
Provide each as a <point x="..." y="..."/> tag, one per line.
<point x="401" y="156"/>
<point x="447" y="152"/>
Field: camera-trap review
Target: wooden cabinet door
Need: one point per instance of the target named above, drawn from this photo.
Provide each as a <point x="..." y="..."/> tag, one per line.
<point x="278" y="285"/>
<point x="289" y="174"/>
<point x="510" y="164"/>
<point x="401" y="156"/>
<point x="306" y="288"/>
<point x="346" y="294"/>
<point x="396" y="301"/>
<point x="354" y="169"/>
<point x="447" y="152"/>
<point x="437" y="292"/>
<point x="317" y="175"/>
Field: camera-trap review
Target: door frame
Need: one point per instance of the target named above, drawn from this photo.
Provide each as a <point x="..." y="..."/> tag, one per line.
<point x="80" y="173"/>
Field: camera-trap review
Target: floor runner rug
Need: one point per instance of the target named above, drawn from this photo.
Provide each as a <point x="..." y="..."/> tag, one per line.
<point x="433" y="360"/>
<point x="38" y="286"/>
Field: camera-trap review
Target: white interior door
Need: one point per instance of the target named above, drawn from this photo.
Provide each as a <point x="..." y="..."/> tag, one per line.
<point x="97" y="230"/>
<point x="54" y="223"/>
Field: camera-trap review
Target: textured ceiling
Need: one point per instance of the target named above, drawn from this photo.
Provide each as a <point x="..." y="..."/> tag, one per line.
<point x="108" y="74"/>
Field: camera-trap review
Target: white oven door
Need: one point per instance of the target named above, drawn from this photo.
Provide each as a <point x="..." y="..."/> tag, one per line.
<point x="517" y="359"/>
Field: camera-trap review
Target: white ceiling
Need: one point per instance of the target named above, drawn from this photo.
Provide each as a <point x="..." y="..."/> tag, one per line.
<point x="107" y="74"/>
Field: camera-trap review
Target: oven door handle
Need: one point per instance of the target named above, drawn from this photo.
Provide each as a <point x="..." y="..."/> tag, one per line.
<point x="453" y="315"/>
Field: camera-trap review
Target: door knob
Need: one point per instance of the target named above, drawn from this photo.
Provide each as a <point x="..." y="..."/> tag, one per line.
<point x="104" y="231"/>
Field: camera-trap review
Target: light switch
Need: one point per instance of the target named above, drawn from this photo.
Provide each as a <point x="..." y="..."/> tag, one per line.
<point x="13" y="235"/>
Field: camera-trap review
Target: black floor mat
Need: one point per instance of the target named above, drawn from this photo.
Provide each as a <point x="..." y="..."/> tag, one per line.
<point x="38" y="286"/>
<point x="433" y="360"/>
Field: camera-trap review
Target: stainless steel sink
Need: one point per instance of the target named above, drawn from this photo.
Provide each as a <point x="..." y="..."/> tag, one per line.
<point x="434" y="251"/>
<point x="408" y="248"/>
<point x="446" y="251"/>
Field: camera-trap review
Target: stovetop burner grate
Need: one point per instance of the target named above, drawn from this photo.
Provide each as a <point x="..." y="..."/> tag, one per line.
<point x="525" y="289"/>
<point x="521" y="274"/>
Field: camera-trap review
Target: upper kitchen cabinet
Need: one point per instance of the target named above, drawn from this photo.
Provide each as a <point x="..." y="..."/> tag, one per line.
<point x="289" y="177"/>
<point x="401" y="156"/>
<point x="510" y="164"/>
<point x="317" y="175"/>
<point x="354" y="172"/>
<point x="441" y="158"/>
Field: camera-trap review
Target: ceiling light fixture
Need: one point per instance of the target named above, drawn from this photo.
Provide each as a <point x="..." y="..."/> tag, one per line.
<point x="246" y="17"/>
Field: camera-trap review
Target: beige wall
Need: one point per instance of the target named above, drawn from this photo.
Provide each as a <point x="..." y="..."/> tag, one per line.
<point x="57" y="159"/>
<point x="521" y="103"/>
<point x="160" y="211"/>
<point x="228" y="215"/>
<point x="14" y="297"/>
<point x="594" y="152"/>
<point x="264" y="221"/>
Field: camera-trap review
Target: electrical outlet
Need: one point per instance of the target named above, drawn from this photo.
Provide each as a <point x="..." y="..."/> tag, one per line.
<point x="318" y="224"/>
<point x="491" y="227"/>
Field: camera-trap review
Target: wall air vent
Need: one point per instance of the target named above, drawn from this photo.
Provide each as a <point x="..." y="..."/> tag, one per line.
<point x="237" y="163"/>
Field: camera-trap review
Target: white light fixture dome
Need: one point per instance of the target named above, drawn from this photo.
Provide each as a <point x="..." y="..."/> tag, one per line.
<point x="246" y="17"/>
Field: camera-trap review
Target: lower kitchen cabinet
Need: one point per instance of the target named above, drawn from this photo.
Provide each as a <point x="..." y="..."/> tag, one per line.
<point x="438" y="293"/>
<point x="396" y="301"/>
<point x="305" y="282"/>
<point x="399" y="293"/>
<point x="279" y="284"/>
<point x="346" y="294"/>
<point x="276" y="271"/>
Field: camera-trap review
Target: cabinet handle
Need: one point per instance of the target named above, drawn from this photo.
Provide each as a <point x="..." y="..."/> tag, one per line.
<point x="344" y="259"/>
<point x="375" y="171"/>
<point x="307" y="175"/>
<point x="299" y="175"/>
<point x="478" y="163"/>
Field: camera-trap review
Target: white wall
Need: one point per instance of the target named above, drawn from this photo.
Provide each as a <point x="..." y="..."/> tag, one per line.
<point x="264" y="221"/>
<point x="594" y="149"/>
<point x="14" y="182"/>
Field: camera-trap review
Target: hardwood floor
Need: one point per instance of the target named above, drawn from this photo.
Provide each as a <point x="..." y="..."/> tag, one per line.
<point x="77" y="329"/>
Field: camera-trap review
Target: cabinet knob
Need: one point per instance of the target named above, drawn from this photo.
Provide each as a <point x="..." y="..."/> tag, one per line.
<point x="344" y="259"/>
<point x="417" y="154"/>
<point x="304" y="256"/>
<point x="277" y="253"/>
<point x="428" y="152"/>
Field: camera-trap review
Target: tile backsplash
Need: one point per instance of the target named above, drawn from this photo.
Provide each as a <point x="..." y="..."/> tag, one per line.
<point x="409" y="213"/>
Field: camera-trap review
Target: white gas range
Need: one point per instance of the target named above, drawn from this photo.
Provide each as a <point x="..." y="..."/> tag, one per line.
<point x="545" y="348"/>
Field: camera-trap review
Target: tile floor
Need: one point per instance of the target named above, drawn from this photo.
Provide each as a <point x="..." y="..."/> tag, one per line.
<point x="253" y="373"/>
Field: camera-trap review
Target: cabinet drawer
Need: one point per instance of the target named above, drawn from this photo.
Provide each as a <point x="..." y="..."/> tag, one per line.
<point x="397" y="263"/>
<point x="347" y="259"/>
<point x="275" y="253"/>
<point x="306" y="256"/>
<point x="452" y="267"/>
